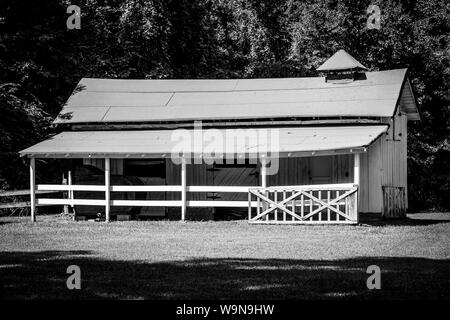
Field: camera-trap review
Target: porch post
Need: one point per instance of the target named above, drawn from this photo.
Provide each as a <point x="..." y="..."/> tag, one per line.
<point x="32" y="190"/>
<point x="69" y="182"/>
<point x="107" y="190"/>
<point x="356" y="169"/>
<point x="264" y="181"/>
<point x="356" y="177"/>
<point x="263" y="173"/>
<point x="66" y="195"/>
<point x="183" y="189"/>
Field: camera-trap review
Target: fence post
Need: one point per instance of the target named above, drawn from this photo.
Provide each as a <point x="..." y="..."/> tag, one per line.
<point x="69" y="182"/>
<point x="65" y="195"/>
<point x="356" y="176"/>
<point x="249" y="206"/>
<point x="107" y="190"/>
<point x="183" y="189"/>
<point x="264" y="182"/>
<point x="32" y="189"/>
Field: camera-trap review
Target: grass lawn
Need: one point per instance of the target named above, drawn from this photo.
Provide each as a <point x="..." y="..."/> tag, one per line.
<point x="225" y="260"/>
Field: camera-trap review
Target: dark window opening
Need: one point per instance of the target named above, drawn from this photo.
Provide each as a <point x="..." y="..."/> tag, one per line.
<point x="247" y="164"/>
<point x="145" y="168"/>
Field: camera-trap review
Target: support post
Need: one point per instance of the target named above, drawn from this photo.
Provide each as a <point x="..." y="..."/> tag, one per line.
<point x="107" y="190"/>
<point x="183" y="189"/>
<point x="356" y="169"/>
<point x="356" y="177"/>
<point x="264" y="182"/>
<point x="264" y="173"/>
<point x="65" y="195"/>
<point x="69" y="182"/>
<point x="32" y="190"/>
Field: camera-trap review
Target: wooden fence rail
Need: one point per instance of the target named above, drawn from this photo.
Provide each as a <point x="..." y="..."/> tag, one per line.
<point x="141" y="203"/>
<point x="18" y="193"/>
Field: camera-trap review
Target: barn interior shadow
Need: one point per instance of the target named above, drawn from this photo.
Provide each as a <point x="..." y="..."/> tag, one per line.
<point x="42" y="275"/>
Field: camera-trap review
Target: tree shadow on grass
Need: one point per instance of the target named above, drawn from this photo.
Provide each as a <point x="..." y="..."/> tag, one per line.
<point x="42" y="275"/>
<point x="376" y="220"/>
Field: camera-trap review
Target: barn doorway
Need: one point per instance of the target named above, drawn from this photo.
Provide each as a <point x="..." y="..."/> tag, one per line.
<point x="245" y="174"/>
<point x="150" y="172"/>
<point x="321" y="170"/>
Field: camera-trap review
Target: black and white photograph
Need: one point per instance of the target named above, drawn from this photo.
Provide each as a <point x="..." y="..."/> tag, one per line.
<point x="225" y="158"/>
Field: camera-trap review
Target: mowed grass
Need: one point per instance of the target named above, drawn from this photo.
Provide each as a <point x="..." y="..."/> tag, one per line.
<point x="225" y="260"/>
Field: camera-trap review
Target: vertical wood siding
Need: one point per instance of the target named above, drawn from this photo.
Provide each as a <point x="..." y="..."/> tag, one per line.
<point x="196" y="175"/>
<point x="384" y="165"/>
<point x="297" y="171"/>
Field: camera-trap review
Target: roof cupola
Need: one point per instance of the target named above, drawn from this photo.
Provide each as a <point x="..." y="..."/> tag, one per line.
<point x="342" y="67"/>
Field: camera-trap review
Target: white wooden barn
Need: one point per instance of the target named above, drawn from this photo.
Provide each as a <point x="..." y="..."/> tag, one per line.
<point x="341" y="146"/>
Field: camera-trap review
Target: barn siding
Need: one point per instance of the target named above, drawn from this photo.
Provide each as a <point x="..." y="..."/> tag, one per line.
<point x="292" y="171"/>
<point x="364" y="185"/>
<point x="196" y="175"/>
<point x="384" y="165"/>
<point x="296" y="171"/>
<point x="396" y="155"/>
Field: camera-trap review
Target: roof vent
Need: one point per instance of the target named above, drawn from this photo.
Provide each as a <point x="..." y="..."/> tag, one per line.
<point x="342" y="67"/>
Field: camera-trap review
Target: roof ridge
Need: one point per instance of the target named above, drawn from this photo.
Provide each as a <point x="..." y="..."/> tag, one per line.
<point x="332" y="86"/>
<point x="231" y="79"/>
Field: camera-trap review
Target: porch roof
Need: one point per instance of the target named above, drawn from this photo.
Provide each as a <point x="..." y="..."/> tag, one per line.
<point x="161" y="143"/>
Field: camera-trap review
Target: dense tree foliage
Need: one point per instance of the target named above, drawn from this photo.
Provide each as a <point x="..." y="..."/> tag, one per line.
<point x="41" y="60"/>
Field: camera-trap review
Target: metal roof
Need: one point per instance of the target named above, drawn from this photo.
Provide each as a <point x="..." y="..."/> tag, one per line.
<point x="112" y="101"/>
<point x="160" y="143"/>
<point x="341" y="60"/>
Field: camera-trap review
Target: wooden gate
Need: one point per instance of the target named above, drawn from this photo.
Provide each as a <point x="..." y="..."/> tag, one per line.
<point x="394" y="202"/>
<point x="320" y="204"/>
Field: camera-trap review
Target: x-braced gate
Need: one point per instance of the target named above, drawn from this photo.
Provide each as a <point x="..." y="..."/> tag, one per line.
<point x="320" y="204"/>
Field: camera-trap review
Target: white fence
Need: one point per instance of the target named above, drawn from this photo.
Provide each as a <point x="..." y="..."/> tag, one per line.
<point x="14" y="195"/>
<point x="313" y="204"/>
<point x="141" y="203"/>
<point x="332" y="203"/>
